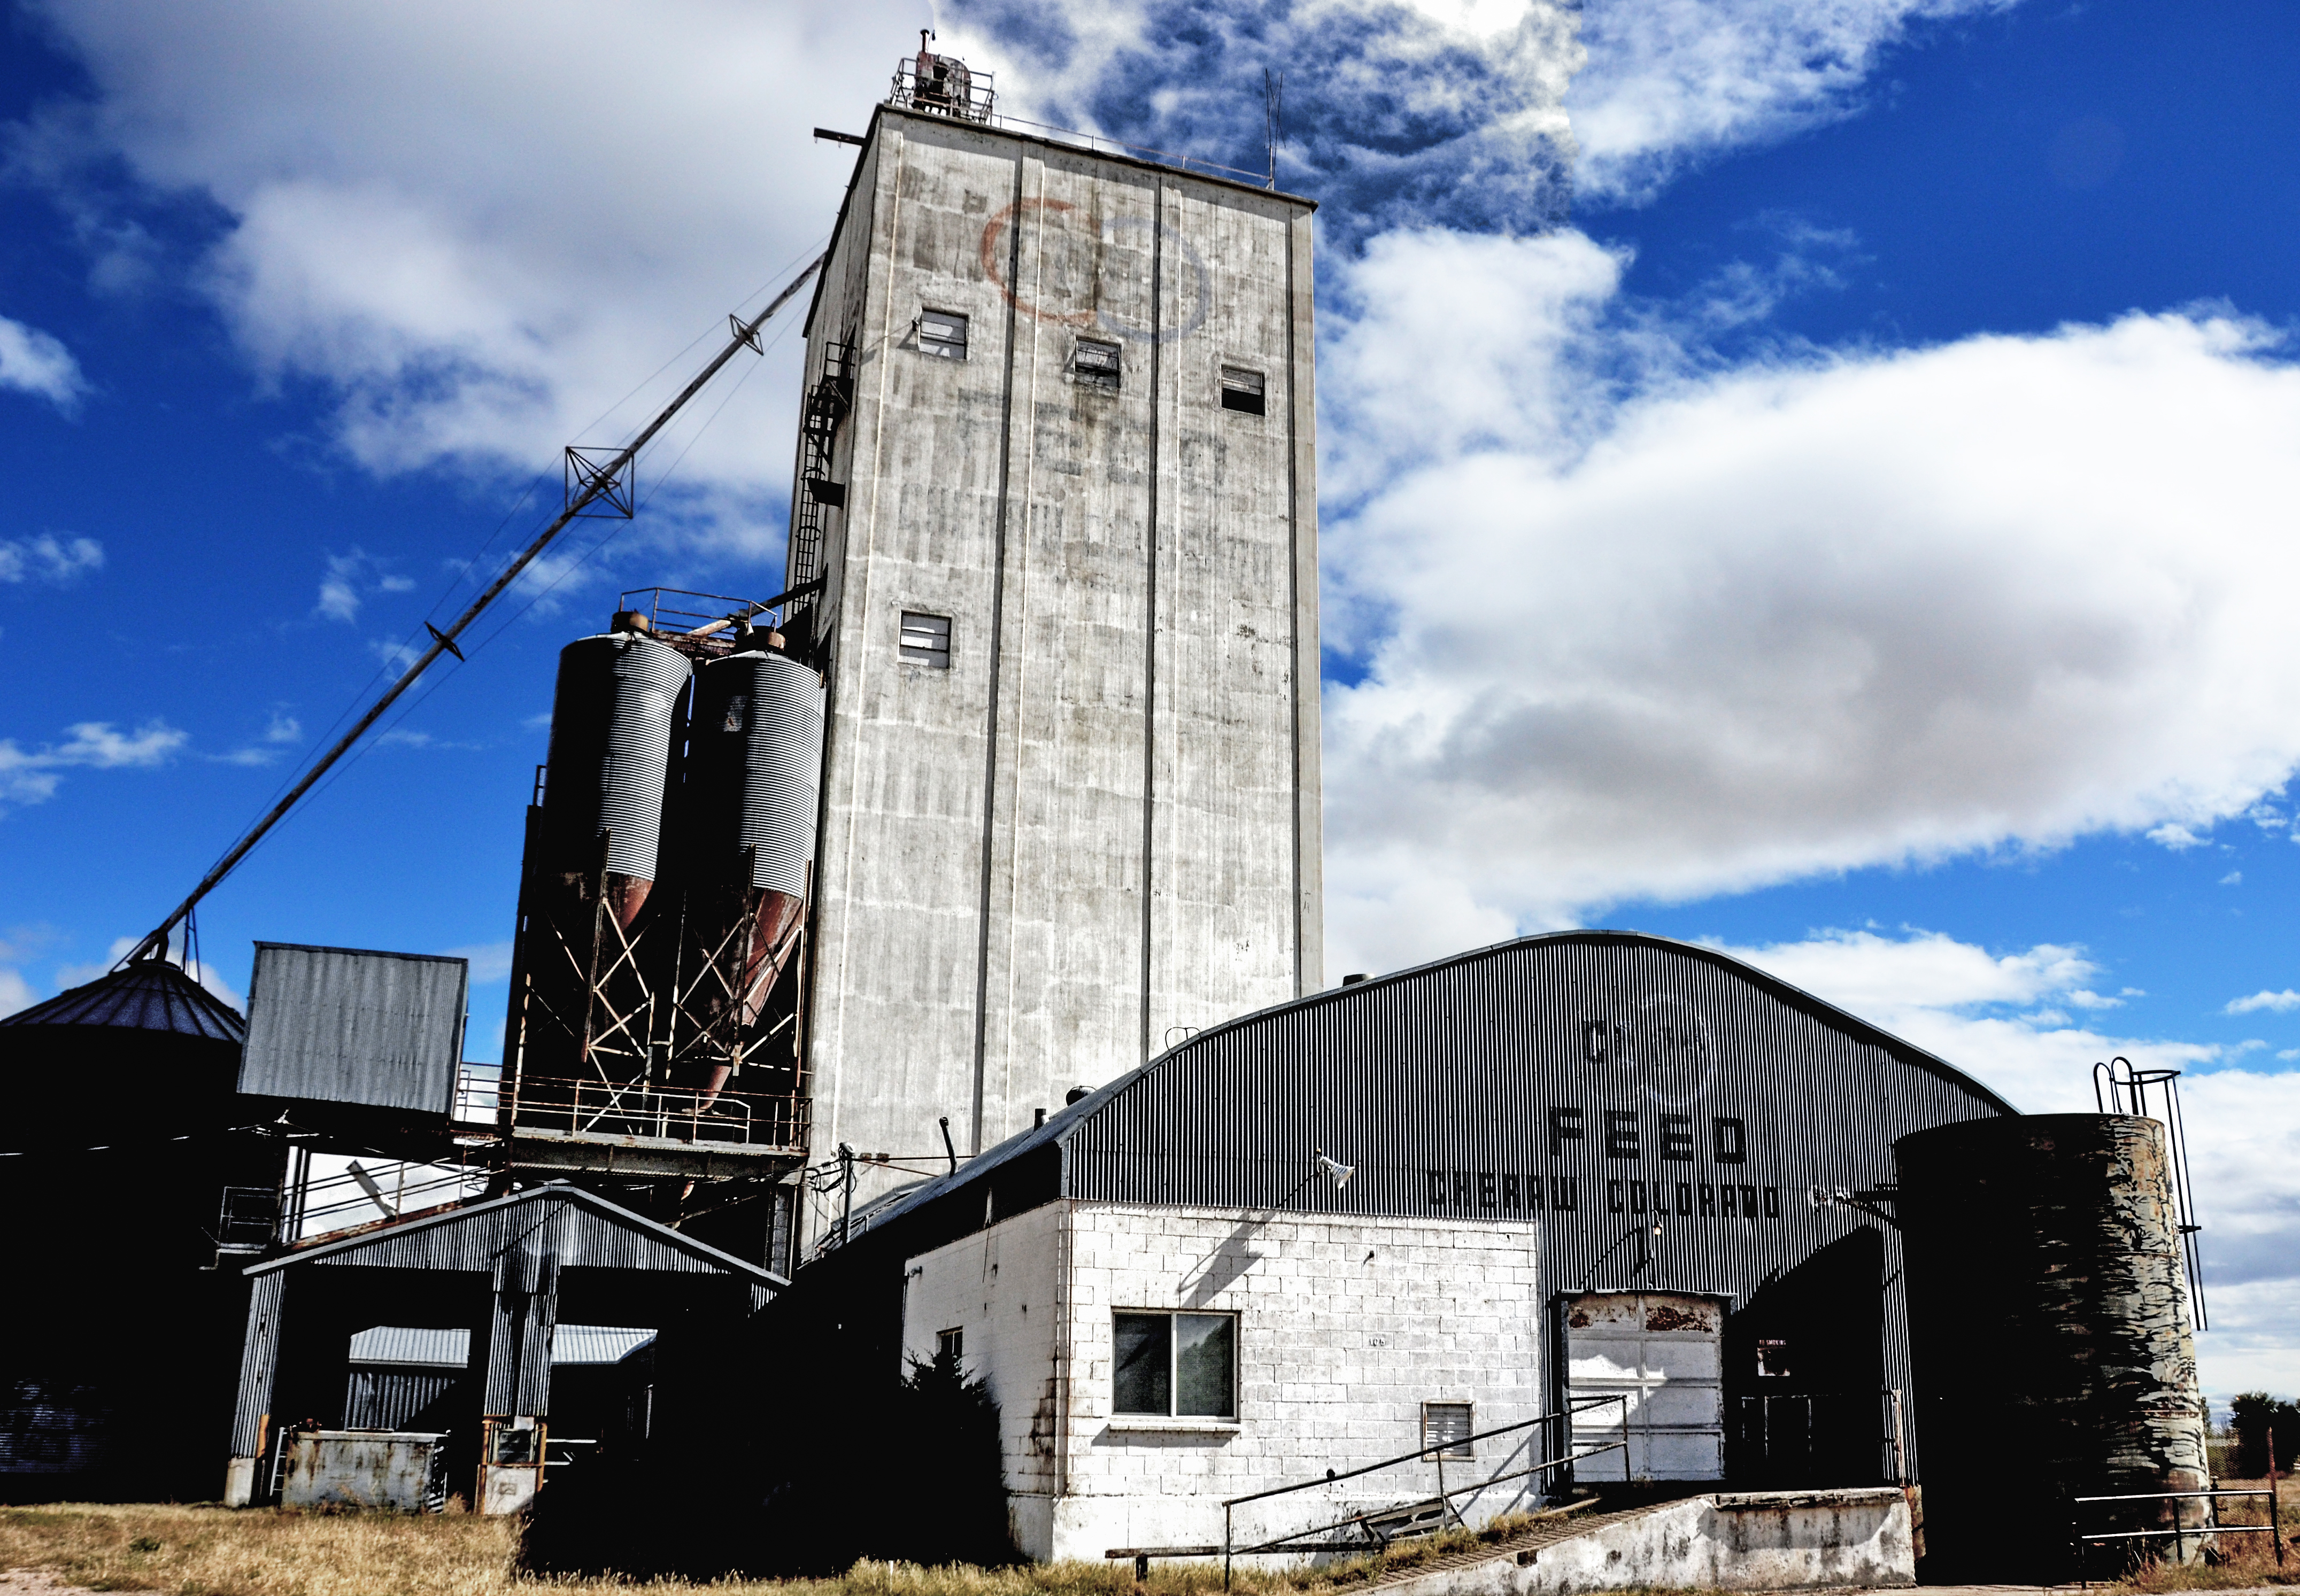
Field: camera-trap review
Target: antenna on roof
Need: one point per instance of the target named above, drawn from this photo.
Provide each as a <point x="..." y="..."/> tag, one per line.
<point x="1273" y="116"/>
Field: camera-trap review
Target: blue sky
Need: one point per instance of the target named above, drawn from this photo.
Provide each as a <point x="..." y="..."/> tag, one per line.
<point x="1815" y="479"/>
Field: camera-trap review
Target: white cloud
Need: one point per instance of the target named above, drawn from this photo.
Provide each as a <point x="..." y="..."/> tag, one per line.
<point x="49" y="558"/>
<point x="1671" y="82"/>
<point x="1966" y="1004"/>
<point x="2177" y="838"/>
<point x="415" y="216"/>
<point x="284" y="728"/>
<point x="489" y="961"/>
<point x="32" y="362"/>
<point x="1634" y="627"/>
<point x="2279" y="1002"/>
<point x="15" y="991"/>
<point x="33" y="777"/>
<point x="2233" y="878"/>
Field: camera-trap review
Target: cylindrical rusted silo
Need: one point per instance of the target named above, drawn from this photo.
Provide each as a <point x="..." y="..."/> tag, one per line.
<point x="747" y="829"/>
<point x="2050" y="1326"/>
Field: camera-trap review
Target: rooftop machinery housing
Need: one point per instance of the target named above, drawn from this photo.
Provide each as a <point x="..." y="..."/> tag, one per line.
<point x="1056" y="478"/>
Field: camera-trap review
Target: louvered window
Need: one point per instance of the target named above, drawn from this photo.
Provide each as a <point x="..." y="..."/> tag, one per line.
<point x="942" y="332"/>
<point x="1446" y="1429"/>
<point x="1094" y="363"/>
<point x="926" y="639"/>
<point x="1241" y="390"/>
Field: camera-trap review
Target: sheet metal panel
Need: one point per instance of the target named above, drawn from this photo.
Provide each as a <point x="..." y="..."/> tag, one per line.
<point x="581" y="1230"/>
<point x="415" y="1347"/>
<point x="345" y="1025"/>
<point x="259" y="1362"/>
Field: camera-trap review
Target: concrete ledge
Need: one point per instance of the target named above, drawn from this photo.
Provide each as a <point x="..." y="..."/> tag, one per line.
<point x="1749" y="1541"/>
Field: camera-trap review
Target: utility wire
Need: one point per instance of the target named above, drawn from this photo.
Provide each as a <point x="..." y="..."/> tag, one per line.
<point x="597" y="483"/>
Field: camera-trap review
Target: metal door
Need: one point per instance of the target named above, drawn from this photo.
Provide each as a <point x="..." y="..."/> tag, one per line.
<point x="1664" y="1355"/>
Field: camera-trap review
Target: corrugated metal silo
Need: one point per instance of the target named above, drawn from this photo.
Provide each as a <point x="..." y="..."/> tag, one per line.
<point x="614" y="717"/>
<point x="2052" y="1338"/>
<point x="754" y="764"/>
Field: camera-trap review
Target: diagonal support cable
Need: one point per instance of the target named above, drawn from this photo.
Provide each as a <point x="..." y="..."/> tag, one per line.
<point x="597" y="485"/>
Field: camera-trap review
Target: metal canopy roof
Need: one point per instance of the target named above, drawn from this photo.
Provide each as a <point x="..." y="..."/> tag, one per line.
<point x="149" y="994"/>
<point x="579" y="1229"/>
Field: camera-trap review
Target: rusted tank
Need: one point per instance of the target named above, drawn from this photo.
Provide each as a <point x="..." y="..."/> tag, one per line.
<point x="746" y="831"/>
<point x="2053" y="1351"/>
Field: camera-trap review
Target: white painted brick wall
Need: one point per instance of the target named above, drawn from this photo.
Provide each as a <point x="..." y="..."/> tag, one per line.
<point x="1346" y="1327"/>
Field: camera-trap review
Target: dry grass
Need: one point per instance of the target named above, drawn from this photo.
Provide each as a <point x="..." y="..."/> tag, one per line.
<point x="213" y="1552"/>
<point x="2248" y="1559"/>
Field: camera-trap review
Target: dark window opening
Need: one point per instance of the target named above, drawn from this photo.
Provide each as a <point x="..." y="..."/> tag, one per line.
<point x="942" y="333"/>
<point x="1446" y="1429"/>
<point x="1241" y="390"/>
<point x="1175" y="1365"/>
<point x="950" y="1346"/>
<point x="1096" y="363"/>
<point x="926" y="639"/>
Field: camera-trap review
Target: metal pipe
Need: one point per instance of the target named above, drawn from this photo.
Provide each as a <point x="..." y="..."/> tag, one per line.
<point x="597" y="485"/>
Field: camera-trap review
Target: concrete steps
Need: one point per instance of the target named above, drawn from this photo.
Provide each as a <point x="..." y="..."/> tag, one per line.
<point x="1739" y="1540"/>
<point x="1522" y="1548"/>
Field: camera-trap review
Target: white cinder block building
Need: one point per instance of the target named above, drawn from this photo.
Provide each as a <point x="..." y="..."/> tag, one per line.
<point x="1153" y="1361"/>
<point x="1582" y="1167"/>
<point x="1057" y="479"/>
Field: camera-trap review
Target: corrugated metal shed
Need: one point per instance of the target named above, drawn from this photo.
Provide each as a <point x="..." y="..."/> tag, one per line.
<point x="1602" y="1083"/>
<point x="556" y="1221"/>
<point x="147" y="996"/>
<point x="346" y="1025"/>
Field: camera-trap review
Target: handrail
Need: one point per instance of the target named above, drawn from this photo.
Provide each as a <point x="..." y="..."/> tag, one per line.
<point x="1231" y="1549"/>
<point x="693" y="1115"/>
<point x="2080" y="1540"/>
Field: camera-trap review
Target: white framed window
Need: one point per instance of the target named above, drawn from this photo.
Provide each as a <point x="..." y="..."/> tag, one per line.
<point x="926" y="639"/>
<point x="942" y="333"/>
<point x="1447" y="1428"/>
<point x="1174" y="1365"/>
<point x="1241" y="390"/>
<point x="950" y="1344"/>
<point x="1096" y="363"/>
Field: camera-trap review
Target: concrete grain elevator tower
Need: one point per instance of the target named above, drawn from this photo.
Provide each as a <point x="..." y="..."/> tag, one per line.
<point x="1057" y="482"/>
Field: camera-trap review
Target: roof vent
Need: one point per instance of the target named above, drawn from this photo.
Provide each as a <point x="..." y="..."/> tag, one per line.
<point x="1075" y="1094"/>
<point x="1352" y="980"/>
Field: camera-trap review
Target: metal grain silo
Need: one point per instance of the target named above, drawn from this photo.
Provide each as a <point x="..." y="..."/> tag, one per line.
<point x="590" y="961"/>
<point x="612" y="717"/>
<point x="2054" y="1350"/>
<point x="746" y="831"/>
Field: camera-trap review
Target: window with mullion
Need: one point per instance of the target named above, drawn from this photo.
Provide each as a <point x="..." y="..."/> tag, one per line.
<point x="1175" y="1365"/>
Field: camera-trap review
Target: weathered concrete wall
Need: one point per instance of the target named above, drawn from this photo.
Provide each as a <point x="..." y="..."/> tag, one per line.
<point x="1767" y="1540"/>
<point x="1346" y="1327"/>
<point x="1100" y="824"/>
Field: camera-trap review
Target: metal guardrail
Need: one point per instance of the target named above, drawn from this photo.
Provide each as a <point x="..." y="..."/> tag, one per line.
<point x="1364" y="1521"/>
<point x="2078" y="1540"/>
<point x="603" y="1110"/>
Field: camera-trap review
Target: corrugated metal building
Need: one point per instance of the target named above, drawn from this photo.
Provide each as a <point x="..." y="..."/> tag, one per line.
<point x="1615" y="1133"/>
<point x="493" y="1278"/>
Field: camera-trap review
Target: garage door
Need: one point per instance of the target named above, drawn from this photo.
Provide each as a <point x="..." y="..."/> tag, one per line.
<point x="1665" y="1354"/>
